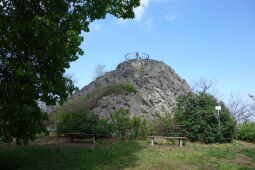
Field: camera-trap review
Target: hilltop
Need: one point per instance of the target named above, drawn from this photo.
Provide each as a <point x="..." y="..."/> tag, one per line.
<point x="148" y="88"/>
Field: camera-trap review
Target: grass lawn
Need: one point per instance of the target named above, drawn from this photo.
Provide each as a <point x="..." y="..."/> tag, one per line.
<point x="50" y="154"/>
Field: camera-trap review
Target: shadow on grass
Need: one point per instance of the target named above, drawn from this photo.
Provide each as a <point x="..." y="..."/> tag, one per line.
<point x="104" y="156"/>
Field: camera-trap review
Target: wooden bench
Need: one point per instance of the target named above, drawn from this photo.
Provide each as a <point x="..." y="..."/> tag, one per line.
<point x="76" y="135"/>
<point x="167" y="137"/>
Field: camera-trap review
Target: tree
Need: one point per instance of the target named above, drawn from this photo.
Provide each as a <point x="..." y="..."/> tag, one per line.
<point x="197" y="112"/>
<point x="242" y="111"/>
<point x="252" y="105"/>
<point x="99" y="71"/>
<point x="38" y="40"/>
<point x="203" y="85"/>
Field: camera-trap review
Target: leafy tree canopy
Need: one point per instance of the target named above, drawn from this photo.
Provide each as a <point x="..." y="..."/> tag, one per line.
<point x="38" y="40"/>
<point x="202" y="123"/>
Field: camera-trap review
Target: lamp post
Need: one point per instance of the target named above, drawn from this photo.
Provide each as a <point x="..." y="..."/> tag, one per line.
<point x="218" y="108"/>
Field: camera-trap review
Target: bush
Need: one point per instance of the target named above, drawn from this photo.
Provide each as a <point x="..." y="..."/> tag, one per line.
<point x="197" y="113"/>
<point x="83" y="121"/>
<point x="134" y="127"/>
<point x="140" y="127"/>
<point x="121" y="117"/>
<point x="166" y="125"/>
<point x="246" y="132"/>
<point x="126" y="87"/>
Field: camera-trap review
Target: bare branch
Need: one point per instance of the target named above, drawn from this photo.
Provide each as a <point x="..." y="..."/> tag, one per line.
<point x="203" y="86"/>
<point x="99" y="71"/>
<point x="242" y="111"/>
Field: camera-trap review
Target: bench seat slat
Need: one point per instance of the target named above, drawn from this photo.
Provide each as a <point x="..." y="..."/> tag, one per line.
<point x="167" y="137"/>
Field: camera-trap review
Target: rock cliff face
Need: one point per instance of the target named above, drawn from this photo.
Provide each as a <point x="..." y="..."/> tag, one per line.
<point x="158" y="87"/>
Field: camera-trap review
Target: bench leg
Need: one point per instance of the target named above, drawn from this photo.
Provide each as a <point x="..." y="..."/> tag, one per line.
<point x="180" y="142"/>
<point x="94" y="139"/>
<point x="152" y="141"/>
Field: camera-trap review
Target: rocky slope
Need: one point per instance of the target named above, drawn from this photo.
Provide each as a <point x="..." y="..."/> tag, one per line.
<point x="157" y="86"/>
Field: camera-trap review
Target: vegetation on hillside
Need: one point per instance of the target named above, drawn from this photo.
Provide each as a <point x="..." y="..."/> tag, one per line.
<point x="89" y="100"/>
<point x="202" y="123"/>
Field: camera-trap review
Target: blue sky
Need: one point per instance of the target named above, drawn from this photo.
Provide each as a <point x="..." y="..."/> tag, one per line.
<point x="213" y="39"/>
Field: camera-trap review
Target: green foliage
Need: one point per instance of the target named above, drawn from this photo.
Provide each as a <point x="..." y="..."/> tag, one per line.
<point x="140" y="128"/>
<point x="83" y="121"/>
<point x="246" y="132"/>
<point x="134" y="127"/>
<point x="166" y="125"/>
<point x="126" y="87"/>
<point x="39" y="39"/>
<point x="167" y="118"/>
<point x="118" y="88"/>
<point x="197" y="113"/>
<point x="22" y="126"/>
<point x="122" y="118"/>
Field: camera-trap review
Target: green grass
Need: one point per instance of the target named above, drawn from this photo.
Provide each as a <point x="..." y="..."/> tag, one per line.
<point x="104" y="156"/>
<point x="128" y="155"/>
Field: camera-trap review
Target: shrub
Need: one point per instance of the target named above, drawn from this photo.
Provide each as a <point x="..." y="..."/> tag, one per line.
<point x="127" y="87"/>
<point x="134" y="127"/>
<point x="140" y="127"/>
<point x="83" y="121"/>
<point x="166" y="125"/>
<point x="197" y="113"/>
<point x="121" y="117"/>
<point x="246" y="132"/>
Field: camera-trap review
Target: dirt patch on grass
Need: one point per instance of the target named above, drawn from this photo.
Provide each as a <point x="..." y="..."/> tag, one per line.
<point x="64" y="142"/>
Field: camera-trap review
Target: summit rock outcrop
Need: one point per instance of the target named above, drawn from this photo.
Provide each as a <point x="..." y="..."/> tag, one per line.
<point x="157" y="88"/>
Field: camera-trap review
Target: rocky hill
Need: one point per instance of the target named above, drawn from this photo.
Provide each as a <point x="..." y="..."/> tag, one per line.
<point x="157" y="87"/>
